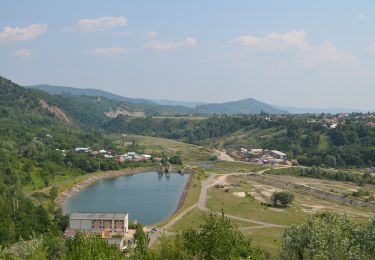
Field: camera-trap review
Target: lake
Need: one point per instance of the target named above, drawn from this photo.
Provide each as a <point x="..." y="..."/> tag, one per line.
<point x="148" y="197"/>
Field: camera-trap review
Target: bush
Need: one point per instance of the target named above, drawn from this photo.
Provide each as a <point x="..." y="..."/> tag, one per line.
<point x="360" y="193"/>
<point x="175" y="160"/>
<point x="283" y="197"/>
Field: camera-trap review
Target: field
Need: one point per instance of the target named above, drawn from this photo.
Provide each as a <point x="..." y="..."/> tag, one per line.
<point x="256" y="206"/>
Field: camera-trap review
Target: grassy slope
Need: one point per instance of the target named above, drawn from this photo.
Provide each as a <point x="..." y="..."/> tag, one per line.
<point x="189" y="153"/>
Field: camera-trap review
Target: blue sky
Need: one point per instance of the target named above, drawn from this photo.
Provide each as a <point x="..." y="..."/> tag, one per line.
<point x="293" y="53"/>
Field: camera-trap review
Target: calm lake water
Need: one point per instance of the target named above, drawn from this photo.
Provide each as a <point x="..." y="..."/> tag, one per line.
<point x="148" y="197"/>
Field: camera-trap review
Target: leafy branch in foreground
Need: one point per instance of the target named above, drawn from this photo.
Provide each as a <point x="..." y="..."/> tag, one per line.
<point x="329" y="236"/>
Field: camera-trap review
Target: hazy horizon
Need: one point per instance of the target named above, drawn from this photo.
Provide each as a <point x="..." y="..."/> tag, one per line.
<point x="310" y="55"/>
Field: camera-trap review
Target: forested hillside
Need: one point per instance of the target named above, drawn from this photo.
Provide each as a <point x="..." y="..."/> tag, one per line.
<point x="34" y="129"/>
<point x="305" y="138"/>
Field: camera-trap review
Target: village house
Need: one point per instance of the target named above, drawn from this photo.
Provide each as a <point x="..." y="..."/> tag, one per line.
<point x="243" y="150"/>
<point x="256" y="152"/>
<point x="278" y="155"/>
<point x="82" y="149"/>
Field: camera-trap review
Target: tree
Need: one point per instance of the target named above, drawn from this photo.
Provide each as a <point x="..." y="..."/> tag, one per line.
<point x="33" y="249"/>
<point x="53" y="193"/>
<point x="141" y="241"/>
<point x="82" y="246"/>
<point x="218" y="238"/>
<point x="329" y="236"/>
<point x="283" y="197"/>
<point x="330" y="161"/>
<point x="175" y="160"/>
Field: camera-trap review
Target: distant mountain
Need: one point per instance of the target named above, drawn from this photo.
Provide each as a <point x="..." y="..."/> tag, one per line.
<point x="165" y="106"/>
<point x="52" y="89"/>
<point x="167" y="102"/>
<point x="245" y="106"/>
<point x="327" y="110"/>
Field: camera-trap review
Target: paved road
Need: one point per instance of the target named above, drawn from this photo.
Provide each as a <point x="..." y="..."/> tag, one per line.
<point x="155" y="235"/>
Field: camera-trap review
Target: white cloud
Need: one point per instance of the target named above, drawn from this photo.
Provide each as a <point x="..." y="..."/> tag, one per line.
<point x="98" y="24"/>
<point x="25" y="53"/>
<point x="274" y="41"/>
<point x="363" y="17"/>
<point x="189" y="42"/>
<point x="327" y="52"/>
<point x="294" y="42"/>
<point x="112" y="51"/>
<point x="13" y="34"/>
<point x="149" y="35"/>
<point x="324" y="54"/>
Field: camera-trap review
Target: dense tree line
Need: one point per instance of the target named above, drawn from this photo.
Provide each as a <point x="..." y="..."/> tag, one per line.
<point x="334" y="175"/>
<point x="351" y="144"/>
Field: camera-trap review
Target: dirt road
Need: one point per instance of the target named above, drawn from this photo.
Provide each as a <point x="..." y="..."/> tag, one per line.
<point x="212" y="181"/>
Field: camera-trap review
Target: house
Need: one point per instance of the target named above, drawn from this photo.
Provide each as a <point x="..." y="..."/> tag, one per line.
<point x="278" y="155"/>
<point x="256" y="152"/>
<point x="243" y="150"/>
<point x="120" y="159"/>
<point x="146" y="157"/>
<point x="82" y="149"/>
<point x="94" y="153"/>
<point x="333" y="126"/>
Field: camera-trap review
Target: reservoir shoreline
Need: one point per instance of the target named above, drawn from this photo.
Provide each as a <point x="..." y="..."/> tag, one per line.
<point x="90" y="180"/>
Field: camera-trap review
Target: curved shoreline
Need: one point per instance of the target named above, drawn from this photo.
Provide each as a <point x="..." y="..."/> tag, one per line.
<point x="66" y="194"/>
<point x="181" y="200"/>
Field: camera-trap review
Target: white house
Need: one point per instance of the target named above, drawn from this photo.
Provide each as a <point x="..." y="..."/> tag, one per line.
<point x="278" y="155"/>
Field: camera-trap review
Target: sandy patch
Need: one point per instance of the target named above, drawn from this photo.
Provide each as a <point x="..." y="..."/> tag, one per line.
<point x="222" y="179"/>
<point x="223" y="156"/>
<point x="276" y="209"/>
<point x="263" y="193"/>
<point x="257" y="196"/>
<point x="240" y="194"/>
<point x="313" y="208"/>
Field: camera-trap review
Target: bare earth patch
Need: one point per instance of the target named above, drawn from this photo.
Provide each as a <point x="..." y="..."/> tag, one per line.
<point x="240" y="194"/>
<point x="276" y="209"/>
<point x="313" y="208"/>
<point x="121" y="111"/>
<point x="54" y="110"/>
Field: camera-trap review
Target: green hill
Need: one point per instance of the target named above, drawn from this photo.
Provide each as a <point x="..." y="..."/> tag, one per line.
<point x="245" y="106"/>
<point x="52" y="89"/>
